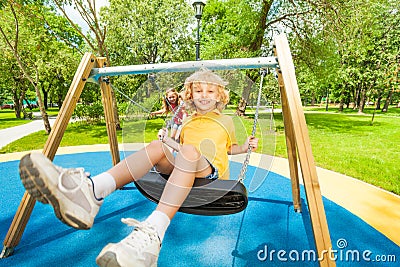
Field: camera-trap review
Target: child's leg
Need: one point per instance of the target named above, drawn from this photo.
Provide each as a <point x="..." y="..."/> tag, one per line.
<point x="138" y="164"/>
<point x="178" y="132"/>
<point x="142" y="246"/>
<point x="173" y="132"/>
<point x="133" y="168"/>
<point x="75" y="198"/>
<point x="189" y="163"/>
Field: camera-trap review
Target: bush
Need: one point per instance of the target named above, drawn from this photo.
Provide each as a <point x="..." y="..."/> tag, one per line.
<point x="92" y="113"/>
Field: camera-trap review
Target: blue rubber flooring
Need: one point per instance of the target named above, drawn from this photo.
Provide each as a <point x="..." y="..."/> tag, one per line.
<point x="267" y="233"/>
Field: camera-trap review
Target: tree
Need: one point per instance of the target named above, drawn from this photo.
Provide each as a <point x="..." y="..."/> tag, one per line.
<point x="142" y="32"/>
<point x="15" y="86"/>
<point x="89" y="13"/>
<point x="235" y="28"/>
<point x="22" y="56"/>
<point x="358" y="48"/>
<point x="58" y="56"/>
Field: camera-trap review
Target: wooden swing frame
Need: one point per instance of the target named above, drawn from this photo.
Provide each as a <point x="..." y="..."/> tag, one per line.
<point x="296" y="133"/>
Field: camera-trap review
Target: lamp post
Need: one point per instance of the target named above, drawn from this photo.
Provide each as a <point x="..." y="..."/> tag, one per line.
<point x="198" y="8"/>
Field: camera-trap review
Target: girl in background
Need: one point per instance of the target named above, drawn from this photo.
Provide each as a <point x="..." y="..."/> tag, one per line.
<point x="172" y="103"/>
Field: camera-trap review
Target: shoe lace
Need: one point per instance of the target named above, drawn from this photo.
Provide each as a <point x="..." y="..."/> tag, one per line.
<point x="71" y="172"/>
<point x="142" y="236"/>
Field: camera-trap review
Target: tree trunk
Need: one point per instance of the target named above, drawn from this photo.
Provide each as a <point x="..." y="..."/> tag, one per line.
<point x="18" y="97"/>
<point x="17" y="106"/>
<point x="59" y="101"/>
<point x="356" y="99"/>
<point x="46" y="96"/>
<point x="327" y="100"/>
<point x="362" y="101"/>
<point x="347" y="102"/>
<point x="262" y="25"/>
<point x="378" y="101"/>
<point x="388" y="100"/>
<point x="241" y="108"/>
<point x="341" y="104"/>
<point x="313" y="98"/>
<point x="45" y="117"/>
<point x="116" y="115"/>
<point x="254" y="46"/>
<point x="373" y="116"/>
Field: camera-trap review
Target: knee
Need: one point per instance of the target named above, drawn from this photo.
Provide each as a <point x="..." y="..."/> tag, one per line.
<point x="155" y="143"/>
<point x="189" y="152"/>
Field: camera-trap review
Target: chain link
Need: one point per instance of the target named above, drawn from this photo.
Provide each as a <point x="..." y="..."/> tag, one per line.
<point x="243" y="171"/>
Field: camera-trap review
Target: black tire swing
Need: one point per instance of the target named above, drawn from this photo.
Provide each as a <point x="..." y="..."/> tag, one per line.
<point x="207" y="197"/>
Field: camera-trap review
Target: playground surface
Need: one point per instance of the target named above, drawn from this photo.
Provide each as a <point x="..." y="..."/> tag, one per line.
<point x="364" y="222"/>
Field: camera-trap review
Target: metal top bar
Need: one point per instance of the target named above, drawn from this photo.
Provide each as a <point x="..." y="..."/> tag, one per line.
<point x="186" y="66"/>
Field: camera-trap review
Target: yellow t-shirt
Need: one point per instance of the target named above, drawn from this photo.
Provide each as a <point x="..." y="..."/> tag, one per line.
<point x="212" y="134"/>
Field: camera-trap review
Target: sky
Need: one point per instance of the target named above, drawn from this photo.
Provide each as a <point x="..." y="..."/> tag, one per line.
<point x="75" y="17"/>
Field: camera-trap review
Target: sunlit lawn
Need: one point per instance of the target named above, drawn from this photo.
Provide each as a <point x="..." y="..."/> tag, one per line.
<point x="349" y="144"/>
<point x="7" y="119"/>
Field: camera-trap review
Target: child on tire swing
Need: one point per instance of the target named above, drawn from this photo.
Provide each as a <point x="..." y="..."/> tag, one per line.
<point x="172" y="103"/>
<point x="207" y="137"/>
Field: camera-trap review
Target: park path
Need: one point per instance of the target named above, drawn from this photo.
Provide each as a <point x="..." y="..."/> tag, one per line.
<point x="11" y="134"/>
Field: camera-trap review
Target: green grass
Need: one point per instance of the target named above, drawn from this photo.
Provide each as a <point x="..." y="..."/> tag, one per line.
<point x="343" y="142"/>
<point x="76" y="134"/>
<point x="350" y="145"/>
<point x="7" y="119"/>
<point x="50" y="111"/>
<point x="392" y="111"/>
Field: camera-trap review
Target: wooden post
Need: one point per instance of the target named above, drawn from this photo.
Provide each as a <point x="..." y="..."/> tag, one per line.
<point x="290" y="146"/>
<point x="297" y="122"/>
<point x="25" y="208"/>
<point x="109" y="113"/>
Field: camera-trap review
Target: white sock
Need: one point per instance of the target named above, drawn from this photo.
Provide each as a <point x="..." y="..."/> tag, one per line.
<point x="160" y="221"/>
<point x="103" y="185"/>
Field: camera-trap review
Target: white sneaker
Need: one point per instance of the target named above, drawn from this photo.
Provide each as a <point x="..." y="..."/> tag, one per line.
<point x="69" y="191"/>
<point x="139" y="248"/>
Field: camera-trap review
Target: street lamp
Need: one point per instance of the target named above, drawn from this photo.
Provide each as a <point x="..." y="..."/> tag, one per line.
<point x="198" y="8"/>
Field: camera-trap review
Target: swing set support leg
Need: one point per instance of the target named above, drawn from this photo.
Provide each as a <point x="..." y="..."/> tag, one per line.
<point x="298" y="143"/>
<point x="27" y="204"/>
<point x="291" y="147"/>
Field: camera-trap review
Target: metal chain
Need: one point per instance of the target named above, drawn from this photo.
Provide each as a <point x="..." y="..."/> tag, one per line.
<point x="243" y="171"/>
<point x="107" y="80"/>
<point x="168" y="123"/>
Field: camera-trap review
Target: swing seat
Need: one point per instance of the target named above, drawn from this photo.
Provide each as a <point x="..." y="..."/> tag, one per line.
<point x="207" y="197"/>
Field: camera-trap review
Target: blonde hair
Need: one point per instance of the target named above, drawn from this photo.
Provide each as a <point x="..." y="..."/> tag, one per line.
<point x="204" y="75"/>
<point x="166" y="105"/>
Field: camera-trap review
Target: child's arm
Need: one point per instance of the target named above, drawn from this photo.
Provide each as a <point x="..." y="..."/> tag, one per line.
<point x="158" y="112"/>
<point x="171" y="143"/>
<point x="236" y="149"/>
<point x="163" y="136"/>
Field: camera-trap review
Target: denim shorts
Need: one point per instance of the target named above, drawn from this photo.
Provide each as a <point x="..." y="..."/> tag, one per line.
<point x="175" y="126"/>
<point x="212" y="176"/>
<point x="214" y="172"/>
